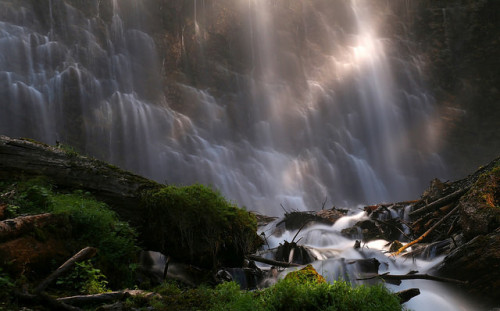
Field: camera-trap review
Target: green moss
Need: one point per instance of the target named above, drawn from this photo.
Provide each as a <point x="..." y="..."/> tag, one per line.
<point x="199" y="224"/>
<point x="92" y="224"/>
<point x="307" y="274"/>
<point x="287" y="295"/>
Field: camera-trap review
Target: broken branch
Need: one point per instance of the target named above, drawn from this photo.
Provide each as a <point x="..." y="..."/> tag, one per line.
<point x="438" y="203"/>
<point x="413" y="277"/>
<point x="84" y="254"/>
<point x="272" y="262"/>
<point x="426" y="232"/>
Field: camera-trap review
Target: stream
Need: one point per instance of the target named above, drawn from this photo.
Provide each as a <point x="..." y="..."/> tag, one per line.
<point x="335" y="258"/>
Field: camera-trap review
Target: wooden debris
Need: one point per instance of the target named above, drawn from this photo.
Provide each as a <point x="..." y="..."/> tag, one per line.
<point x="84" y="254"/>
<point x="272" y="262"/>
<point x="413" y="276"/>
<point x="439" y="203"/>
<point x="15" y="227"/>
<point x="426" y="232"/>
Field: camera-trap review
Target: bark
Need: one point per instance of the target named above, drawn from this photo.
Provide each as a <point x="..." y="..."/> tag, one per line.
<point x="117" y="187"/>
<point x="82" y="255"/>
<point x="272" y="262"/>
<point x="16" y="227"/>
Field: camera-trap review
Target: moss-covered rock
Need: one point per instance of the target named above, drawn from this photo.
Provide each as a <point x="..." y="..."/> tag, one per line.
<point x="480" y="207"/>
<point x="305" y="275"/>
<point x="198" y="225"/>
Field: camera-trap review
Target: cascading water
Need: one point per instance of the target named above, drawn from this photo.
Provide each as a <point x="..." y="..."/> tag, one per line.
<point x="323" y="109"/>
<point x="321" y="105"/>
<point x="336" y="257"/>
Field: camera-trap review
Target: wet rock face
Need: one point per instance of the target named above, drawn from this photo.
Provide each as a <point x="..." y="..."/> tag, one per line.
<point x="476" y="261"/>
<point x="480" y="207"/>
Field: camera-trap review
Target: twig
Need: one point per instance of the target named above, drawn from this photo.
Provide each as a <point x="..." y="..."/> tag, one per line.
<point x="414" y="277"/>
<point x="426" y="232"/>
<point x="284" y="209"/>
<point x="302" y="227"/>
<point x="323" y="206"/>
<point x="272" y="262"/>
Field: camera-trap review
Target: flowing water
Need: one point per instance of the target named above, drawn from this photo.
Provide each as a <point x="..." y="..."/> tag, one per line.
<point x="335" y="258"/>
<point x="325" y="107"/>
<point x="324" y="111"/>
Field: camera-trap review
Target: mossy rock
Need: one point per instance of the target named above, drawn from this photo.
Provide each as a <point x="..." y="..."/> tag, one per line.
<point x="480" y="207"/>
<point x="306" y="275"/>
<point x="197" y="225"/>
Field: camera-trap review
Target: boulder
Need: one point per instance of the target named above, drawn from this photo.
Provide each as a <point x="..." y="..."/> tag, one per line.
<point x="477" y="261"/>
<point x="480" y="207"/>
<point x="306" y="274"/>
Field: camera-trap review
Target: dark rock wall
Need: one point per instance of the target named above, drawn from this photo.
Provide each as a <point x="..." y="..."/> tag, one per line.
<point x="459" y="42"/>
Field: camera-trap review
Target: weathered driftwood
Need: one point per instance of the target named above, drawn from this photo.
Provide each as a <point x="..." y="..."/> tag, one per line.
<point x="13" y="228"/>
<point x="407" y="294"/>
<point x="426" y="232"/>
<point x="272" y="262"/>
<point x="82" y="255"/>
<point x="440" y="202"/>
<point x="103" y="298"/>
<point x="395" y="277"/>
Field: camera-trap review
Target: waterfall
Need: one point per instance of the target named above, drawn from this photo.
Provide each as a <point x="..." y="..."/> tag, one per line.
<point x="323" y="106"/>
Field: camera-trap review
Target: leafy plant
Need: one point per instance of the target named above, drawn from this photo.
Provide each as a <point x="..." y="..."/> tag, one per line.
<point x="92" y="223"/>
<point x="85" y="279"/>
<point x="96" y="225"/>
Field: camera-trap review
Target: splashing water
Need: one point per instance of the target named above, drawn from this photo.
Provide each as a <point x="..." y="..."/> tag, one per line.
<point x="335" y="259"/>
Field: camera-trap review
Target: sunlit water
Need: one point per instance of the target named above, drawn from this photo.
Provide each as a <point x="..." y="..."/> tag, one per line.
<point x="335" y="254"/>
<point x="319" y="114"/>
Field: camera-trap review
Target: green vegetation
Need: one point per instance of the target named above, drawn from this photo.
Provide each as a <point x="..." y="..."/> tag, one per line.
<point x="92" y="224"/>
<point x="195" y="222"/>
<point x="85" y="279"/>
<point x="287" y="295"/>
<point x="199" y="222"/>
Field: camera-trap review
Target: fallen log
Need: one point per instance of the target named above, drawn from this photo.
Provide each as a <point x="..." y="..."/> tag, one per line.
<point x="407" y="294"/>
<point x="438" y="203"/>
<point x="426" y="232"/>
<point x="272" y="262"/>
<point x="84" y="254"/>
<point x="15" y="227"/>
<point x="81" y="300"/>
<point x="118" y="188"/>
<point x="394" y="277"/>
